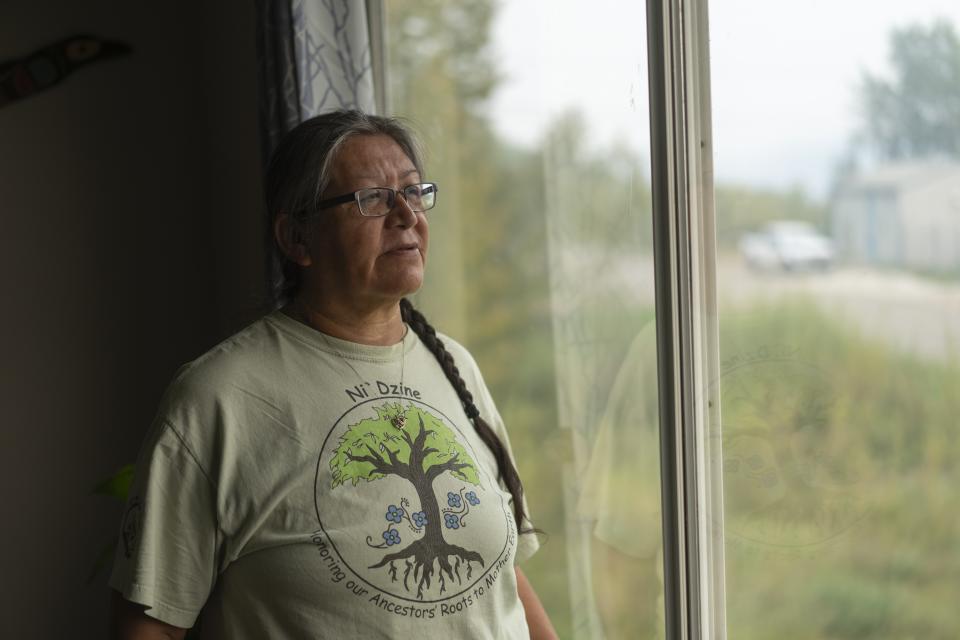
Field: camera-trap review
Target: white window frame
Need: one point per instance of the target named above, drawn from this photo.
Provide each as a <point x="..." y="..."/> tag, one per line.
<point x="684" y="238"/>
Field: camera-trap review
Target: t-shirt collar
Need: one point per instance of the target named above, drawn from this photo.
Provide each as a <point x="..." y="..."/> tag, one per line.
<point x="338" y="346"/>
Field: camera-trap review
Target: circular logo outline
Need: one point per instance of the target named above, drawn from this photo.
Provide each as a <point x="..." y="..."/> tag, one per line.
<point x="768" y="354"/>
<point x="508" y="517"/>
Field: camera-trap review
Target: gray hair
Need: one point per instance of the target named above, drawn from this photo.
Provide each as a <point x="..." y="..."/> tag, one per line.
<point x="299" y="172"/>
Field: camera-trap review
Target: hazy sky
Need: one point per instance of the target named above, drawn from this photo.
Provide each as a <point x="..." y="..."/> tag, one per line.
<point x="784" y="75"/>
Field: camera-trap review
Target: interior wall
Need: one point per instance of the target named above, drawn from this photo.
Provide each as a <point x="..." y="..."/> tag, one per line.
<point x="130" y="198"/>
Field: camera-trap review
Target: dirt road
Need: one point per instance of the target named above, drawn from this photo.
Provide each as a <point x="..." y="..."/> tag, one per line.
<point x="914" y="314"/>
<point x="911" y="313"/>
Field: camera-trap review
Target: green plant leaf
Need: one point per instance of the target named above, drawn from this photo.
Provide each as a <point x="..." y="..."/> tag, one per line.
<point x="118" y="485"/>
<point x="106" y="554"/>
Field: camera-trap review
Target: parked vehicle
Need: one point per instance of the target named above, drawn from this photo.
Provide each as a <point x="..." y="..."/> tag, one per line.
<point x="789" y="245"/>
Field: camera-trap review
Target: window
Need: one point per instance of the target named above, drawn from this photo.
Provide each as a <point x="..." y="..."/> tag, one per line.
<point x="535" y="120"/>
<point x="839" y="339"/>
<point x="804" y="187"/>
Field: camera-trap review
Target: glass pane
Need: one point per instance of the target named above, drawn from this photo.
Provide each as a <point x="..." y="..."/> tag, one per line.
<point x="535" y="120"/>
<point x="838" y="203"/>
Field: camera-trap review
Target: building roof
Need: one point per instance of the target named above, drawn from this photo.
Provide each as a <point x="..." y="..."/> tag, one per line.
<point x="903" y="176"/>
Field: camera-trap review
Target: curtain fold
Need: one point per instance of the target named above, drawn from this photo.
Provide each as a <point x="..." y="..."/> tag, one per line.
<point x="277" y="73"/>
<point x="315" y="56"/>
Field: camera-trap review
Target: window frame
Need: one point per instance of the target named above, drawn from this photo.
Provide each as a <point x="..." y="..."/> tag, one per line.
<point x="684" y="239"/>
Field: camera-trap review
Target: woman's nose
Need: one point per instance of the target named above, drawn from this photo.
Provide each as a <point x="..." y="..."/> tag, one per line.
<point x="401" y="213"/>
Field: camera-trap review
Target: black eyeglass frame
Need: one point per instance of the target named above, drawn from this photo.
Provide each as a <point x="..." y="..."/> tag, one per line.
<point x="328" y="203"/>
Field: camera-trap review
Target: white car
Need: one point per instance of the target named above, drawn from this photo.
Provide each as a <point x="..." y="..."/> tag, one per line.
<point x="789" y="245"/>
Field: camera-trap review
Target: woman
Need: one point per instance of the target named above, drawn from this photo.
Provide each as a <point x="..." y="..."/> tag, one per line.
<point x="329" y="471"/>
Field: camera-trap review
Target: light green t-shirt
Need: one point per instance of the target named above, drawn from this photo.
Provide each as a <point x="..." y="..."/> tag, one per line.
<point x="292" y="487"/>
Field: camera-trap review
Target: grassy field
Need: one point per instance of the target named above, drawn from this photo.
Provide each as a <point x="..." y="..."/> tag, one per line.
<point x="840" y="484"/>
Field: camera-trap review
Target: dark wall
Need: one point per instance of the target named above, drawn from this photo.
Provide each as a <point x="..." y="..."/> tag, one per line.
<point x="130" y="243"/>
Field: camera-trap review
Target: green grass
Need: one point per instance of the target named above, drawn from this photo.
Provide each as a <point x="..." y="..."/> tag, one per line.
<point x="841" y="518"/>
<point x="854" y="423"/>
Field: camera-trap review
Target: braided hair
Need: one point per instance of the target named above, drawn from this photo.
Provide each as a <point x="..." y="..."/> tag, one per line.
<point x="506" y="470"/>
<point x="297" y="175"/>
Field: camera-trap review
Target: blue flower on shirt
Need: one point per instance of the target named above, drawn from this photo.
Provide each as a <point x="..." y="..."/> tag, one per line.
<point x="451" y="520"/>
<point x="419" y="518"/>
<point x="391" y="537"/>
<point x="453" y="499"/>
<point x="472" y="498"/>
<point x="394" y="514"/>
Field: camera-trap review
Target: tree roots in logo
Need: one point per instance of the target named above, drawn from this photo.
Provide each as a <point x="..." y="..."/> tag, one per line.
<point x="419" y="559"/>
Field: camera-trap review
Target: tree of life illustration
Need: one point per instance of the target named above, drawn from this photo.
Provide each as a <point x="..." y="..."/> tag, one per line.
<point x="412" y="444"/>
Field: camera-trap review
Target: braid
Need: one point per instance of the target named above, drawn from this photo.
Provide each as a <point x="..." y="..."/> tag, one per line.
<point x="505" y="468"/>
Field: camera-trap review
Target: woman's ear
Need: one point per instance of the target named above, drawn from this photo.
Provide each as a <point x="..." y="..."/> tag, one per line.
<point x="290" y="239"/>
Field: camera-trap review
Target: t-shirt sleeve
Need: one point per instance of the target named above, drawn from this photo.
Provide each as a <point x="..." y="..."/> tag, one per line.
<point x="620" y="492"/>
<point x="167" y="548"/>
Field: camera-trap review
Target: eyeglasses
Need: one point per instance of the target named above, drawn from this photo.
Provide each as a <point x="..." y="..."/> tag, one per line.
<point x="379" y="201"/>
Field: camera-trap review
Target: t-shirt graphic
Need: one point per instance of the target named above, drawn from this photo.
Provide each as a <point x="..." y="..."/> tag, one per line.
<point x="405" y="505"/>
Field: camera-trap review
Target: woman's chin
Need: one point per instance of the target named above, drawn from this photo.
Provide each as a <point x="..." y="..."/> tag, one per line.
<point x="403" y="284"/>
